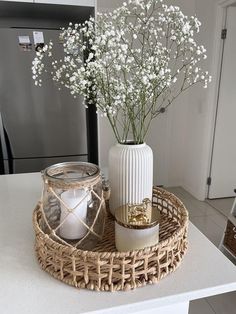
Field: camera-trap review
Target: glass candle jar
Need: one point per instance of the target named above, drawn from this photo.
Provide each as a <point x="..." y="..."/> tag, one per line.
<point x="73" y="206"/>
<point x="136" y="226"/>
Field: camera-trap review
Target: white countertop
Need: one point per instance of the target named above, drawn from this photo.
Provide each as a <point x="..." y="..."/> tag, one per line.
<point x="25" y="288"/>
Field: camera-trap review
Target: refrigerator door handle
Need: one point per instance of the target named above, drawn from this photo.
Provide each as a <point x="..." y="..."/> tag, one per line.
<point x="6" y="148"/>
<point x="2" y="139"/>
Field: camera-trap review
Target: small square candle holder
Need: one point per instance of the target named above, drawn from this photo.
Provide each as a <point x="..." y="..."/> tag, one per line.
<point x="72" y="205"/>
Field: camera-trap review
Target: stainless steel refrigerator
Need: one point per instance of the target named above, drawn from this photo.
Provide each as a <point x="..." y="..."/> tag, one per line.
<point x="39" y="126"/>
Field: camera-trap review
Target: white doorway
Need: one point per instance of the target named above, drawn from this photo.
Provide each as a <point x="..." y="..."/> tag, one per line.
<point x="223" y="161"/>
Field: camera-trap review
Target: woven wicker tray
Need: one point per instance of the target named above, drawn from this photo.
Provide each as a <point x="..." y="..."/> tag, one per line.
<point x="105" y="269"/>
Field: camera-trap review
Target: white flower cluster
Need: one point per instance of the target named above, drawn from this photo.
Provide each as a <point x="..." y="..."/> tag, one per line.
<point x="133" y="62"/>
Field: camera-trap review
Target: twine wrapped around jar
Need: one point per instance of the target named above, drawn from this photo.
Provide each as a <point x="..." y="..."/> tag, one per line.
<point x="73" y="205"/>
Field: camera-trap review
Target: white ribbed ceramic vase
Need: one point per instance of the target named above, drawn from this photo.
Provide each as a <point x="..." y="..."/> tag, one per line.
<point x="130" y="174"/>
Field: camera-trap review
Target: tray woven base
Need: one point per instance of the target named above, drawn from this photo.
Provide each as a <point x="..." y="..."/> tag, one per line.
<point x="105" y="269"/>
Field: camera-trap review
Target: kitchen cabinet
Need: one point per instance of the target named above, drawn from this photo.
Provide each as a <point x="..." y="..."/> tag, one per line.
<point x="35" y="13"/>
<point x="86" y="3"/>
<point x="29" y="1"/>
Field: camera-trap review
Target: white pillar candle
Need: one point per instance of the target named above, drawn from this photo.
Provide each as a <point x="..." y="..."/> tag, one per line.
<point x="72" y="228"/>
<point x="135" y="239"/>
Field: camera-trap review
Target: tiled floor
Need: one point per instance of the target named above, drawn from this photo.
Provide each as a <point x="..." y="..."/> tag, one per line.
<point x="223" y="205"/>
<point x="212" y="223"/>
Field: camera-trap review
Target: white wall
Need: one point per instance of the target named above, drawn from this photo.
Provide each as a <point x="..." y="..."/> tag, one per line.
<point x="180" y="138"/>
<point x="200" y="113"/>
<point x="108" y="4"/>
<point x="192" y="141"/>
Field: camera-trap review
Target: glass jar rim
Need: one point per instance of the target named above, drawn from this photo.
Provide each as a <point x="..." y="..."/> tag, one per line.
<point x="70" y="165"/>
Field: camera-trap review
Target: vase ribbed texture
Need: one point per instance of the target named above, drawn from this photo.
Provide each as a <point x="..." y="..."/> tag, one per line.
<point x="130" y="174"/>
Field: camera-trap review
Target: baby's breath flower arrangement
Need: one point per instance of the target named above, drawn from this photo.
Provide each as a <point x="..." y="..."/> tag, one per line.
<point x="133" y="62"/>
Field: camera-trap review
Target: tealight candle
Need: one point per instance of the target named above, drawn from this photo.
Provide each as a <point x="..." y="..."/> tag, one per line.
<point x="136" y="226"/>
<point x="76" y="200"/>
